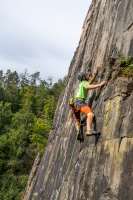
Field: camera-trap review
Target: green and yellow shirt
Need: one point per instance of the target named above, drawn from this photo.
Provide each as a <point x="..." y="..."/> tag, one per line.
<point x="82" y="92"/>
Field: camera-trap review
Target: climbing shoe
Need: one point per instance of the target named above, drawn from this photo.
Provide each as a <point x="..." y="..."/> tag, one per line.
<point x="91" y="132"/>
<point x="79" y="136"/>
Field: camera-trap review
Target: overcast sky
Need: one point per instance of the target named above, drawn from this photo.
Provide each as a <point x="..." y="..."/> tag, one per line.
<point x="40" y="35"/>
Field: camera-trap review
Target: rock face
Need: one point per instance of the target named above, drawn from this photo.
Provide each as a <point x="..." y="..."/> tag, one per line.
<point x="107" y="166"/>
<point x="32" y="177"/>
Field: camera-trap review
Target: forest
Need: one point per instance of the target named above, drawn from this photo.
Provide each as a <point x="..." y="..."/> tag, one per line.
<point x="27" y="107"/>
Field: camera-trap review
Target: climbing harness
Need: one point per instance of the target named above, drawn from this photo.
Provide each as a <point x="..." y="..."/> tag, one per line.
<point x="69" y="165"/>
<point x="75" y="105"/>
<point x="71" y="102"/>
<point x="80" y="103"/>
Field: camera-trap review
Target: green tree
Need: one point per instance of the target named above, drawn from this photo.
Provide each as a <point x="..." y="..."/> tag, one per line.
<point x="16" y="153"/>
<point x="5" y="117"/>
<point x="11" y="90"/>
<point x="58" y="87"/>
<point x="49" y="110"/>
<point x="42" y="92"/>
<point x="29" y="94"/>
<point x="39" y="135"/>
<point x="1" y="91"/>
<point x="26" y="116"/>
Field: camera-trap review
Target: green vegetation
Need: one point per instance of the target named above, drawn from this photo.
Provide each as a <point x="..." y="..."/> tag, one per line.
<point x="128" y="71"/>
<point x="27" y="106"/>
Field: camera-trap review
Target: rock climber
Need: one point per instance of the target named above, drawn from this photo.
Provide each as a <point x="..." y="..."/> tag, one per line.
<point x="79" y="103"/>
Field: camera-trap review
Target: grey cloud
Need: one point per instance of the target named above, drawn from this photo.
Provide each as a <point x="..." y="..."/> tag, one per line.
<point x="40" y="35"/>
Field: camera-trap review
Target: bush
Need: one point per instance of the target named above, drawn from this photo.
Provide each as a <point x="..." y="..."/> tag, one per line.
<point x="128" y="72"/>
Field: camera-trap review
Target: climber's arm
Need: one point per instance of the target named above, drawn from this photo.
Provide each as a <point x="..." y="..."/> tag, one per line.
<point x="93" y="78"/>
<point x="90" y="87"/>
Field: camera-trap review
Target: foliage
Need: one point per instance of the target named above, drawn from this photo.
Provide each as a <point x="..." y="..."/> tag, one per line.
<point x="127" y="60"/>
<point x="128" y="72"/>
<point x="5" y="117"/>
<point x="49" y="110"/>
<point x="39" y="136"/>
<point x="28" y="93"/>
<point x="57" y="88"/>
<point x="43" y="126"/>
<point x="12" y="187"/>
<point x="27" y="107"/>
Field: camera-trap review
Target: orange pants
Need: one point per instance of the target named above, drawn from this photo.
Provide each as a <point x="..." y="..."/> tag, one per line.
<point x="84" y="109"/>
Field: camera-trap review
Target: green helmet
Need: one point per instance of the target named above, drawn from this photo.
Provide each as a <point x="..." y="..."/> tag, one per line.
<point x="80" y="75"/>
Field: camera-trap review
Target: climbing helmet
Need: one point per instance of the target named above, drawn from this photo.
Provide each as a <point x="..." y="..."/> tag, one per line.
<point x="80" y="75"/>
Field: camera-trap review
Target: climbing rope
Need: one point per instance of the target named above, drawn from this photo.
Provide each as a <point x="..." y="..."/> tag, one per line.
<point x="69" y="163"/>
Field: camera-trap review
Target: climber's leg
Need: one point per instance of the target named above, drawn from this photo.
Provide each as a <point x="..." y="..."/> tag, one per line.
<point x="88" y="112"/>
<point x="77" y="117"/>
<point x="90" y="117"/>
<point x="77" y="125"/>
<point x="89" y="131"/>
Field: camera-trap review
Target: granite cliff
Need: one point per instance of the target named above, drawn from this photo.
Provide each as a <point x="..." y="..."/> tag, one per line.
<point x="107" y="167"/>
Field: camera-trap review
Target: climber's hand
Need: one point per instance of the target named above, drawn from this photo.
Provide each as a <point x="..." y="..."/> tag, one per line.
<point x="103" y="83"/>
